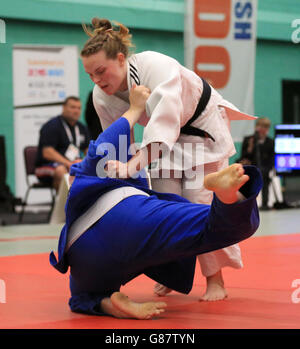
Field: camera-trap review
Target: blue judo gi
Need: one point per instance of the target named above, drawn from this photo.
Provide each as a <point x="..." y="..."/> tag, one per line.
<point x="158" y="235"/>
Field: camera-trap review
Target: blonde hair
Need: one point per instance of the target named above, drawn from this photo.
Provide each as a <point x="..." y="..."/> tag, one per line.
<point x="263" y="122"/>
<point x="104" y="36"/>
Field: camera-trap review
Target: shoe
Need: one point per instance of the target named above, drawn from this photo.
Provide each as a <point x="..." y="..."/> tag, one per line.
<point x="264" y="208"/>
<point x="282" y="205"/>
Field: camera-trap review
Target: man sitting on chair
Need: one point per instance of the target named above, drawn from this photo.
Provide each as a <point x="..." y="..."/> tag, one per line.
<point x="62" y="139"/>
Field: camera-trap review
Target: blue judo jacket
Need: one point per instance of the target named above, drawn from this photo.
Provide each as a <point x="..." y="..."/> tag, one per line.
<point x="88" y="187"/>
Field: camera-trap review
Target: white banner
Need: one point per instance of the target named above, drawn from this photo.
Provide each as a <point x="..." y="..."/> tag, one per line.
<point x="220" y="46"/>
<point x="42" y="76"/>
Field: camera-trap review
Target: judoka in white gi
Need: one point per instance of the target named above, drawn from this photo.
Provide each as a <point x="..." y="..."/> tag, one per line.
<point x="182" y="109"/>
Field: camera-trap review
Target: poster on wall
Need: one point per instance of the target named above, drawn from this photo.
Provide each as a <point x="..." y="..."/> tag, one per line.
<point x="43" y="76"/>
<point x="220" y="46"/>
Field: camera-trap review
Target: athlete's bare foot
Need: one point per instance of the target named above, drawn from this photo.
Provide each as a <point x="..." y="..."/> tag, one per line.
<point x="108" y="308"/>
<point x="161" y="290"/>
<point x="215" y="290"/>
<point x="226" y="183"/>
<point x="142" y="311"/>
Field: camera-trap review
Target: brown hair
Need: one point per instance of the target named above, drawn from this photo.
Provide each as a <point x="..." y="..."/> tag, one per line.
<point x="108" y="38"/>
<point x="71" y="98"/>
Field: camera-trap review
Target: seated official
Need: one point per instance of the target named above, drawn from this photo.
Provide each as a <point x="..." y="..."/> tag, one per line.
<point x="62" y="140"/>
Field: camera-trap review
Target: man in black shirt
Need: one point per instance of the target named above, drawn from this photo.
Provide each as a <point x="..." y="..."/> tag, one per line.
<point x="258" y="150"/>
<point x="62" y="139"/>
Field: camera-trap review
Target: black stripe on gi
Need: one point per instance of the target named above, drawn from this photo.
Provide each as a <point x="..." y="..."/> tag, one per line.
<point x="134" y="74"/>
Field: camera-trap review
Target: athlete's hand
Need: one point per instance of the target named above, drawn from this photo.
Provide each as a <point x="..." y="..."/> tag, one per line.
<point x="116" y="169"/>
<point x="138" y="96"/>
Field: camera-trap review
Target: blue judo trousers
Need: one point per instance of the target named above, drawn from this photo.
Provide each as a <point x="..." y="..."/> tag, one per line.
<point x="158" y="235"/>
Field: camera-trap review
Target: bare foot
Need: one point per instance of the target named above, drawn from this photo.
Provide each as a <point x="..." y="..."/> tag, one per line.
<point x="142" y="311"/>
<point x="110" y="309"/>
<point x="226" y="183"/>
<point x="215" y="290"/>
<point x="161" y="290"/>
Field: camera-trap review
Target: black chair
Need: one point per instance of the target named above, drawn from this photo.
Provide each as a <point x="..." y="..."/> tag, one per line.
<point x="30" y="153"/>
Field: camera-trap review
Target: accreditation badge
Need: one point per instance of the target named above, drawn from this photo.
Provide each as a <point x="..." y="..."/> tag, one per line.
<point x="72" y="153"/>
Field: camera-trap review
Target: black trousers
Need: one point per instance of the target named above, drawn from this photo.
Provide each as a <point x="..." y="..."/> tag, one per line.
<point x="265" y="189"/>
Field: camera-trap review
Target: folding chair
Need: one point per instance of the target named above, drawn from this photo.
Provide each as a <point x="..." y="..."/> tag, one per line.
<point x="30" y="153"/>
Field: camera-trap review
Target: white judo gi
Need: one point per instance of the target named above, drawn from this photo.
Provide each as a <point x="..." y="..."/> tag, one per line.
<point x="175" y="93"/>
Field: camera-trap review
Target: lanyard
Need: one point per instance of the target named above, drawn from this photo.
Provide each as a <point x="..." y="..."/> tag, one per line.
<point x="69" y="134"/>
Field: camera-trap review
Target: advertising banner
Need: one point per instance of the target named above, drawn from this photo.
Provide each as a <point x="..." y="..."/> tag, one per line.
<point x="220" y="46"/>
<point x="43" y="76"/>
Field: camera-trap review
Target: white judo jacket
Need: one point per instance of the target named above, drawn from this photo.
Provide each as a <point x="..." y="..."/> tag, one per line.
<point x="175" y="93"/>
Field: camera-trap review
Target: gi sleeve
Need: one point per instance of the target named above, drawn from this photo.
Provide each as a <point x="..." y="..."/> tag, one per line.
<point x="164" y="106"/>
<point x="229" y="224"/>
<point x="112" y="144"/>
<point x="87" y="303"/>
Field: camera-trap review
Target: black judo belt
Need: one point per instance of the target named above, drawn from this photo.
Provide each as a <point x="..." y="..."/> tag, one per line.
<point x="204" y="99"/>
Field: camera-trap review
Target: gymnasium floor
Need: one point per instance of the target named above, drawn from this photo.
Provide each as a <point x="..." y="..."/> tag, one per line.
<point x="265" y="294"/>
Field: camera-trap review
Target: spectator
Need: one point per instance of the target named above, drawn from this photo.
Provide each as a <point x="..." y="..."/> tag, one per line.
<point x="258" y="150"/>
<point x="62" y="141"/>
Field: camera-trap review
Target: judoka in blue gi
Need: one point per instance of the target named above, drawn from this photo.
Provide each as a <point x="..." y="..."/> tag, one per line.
<point x="117" y="229"/>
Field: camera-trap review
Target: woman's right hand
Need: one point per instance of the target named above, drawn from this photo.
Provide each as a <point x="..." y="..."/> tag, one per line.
<point x="138" y="96"/>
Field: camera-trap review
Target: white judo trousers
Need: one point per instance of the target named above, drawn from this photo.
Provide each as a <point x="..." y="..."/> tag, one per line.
<point x="211" y="262"/>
